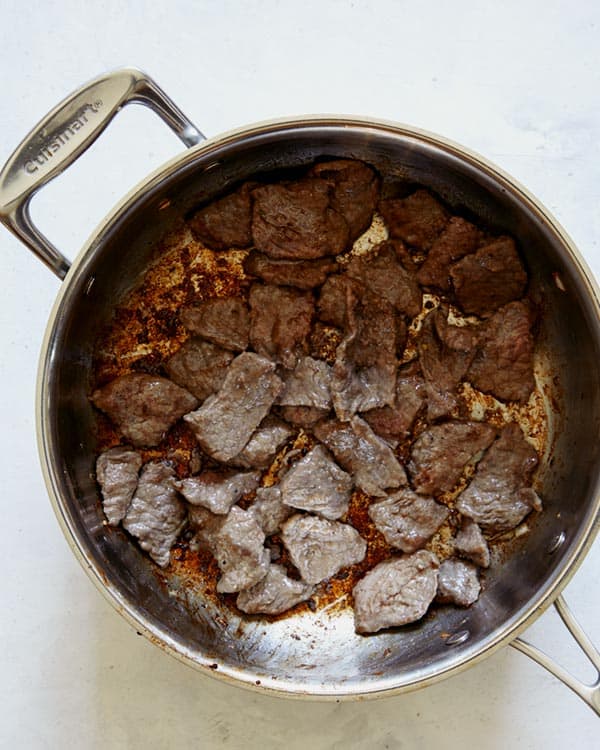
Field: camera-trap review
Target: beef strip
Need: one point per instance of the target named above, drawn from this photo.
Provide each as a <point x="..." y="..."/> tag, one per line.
<point x="440" y="454"/>
<point x="363" y="454"/>
<point x="226" y="420"/>
<point x="296" y="221"/>
<point x="317" y="484"/>
<point x="268" y="509"/>
<point x="117" y="474"/>
<point x="280" y="322"/>
<point x="471" y="543"/>
<point x="490" y="278"/>
<point x="498" y="497"/>
<point x="260" y="450"/>
<point x="302" y="274"/>
<point x="199" y="366"/>
<point x="225" y="222"/>
<point x="458" y="239"/>
<point x="503" y="363"/>
<point x="319" y="548"/>
<point x="239" y="551"/>
<point x="407" y="520"/>
<point x="143" y="407"/>
<point x="458" y="583"/>
<point x="303" y="416"/>
<point x="156" y="514"/>
<point x="395" y="592"/>
<point x="218" y="491"/>
<point x="275" y="594"/>
<point x="224" y="321"/>
<point x="417" y="220"/>
<point x="331" y="307"/>
<point x="308" y="384"/>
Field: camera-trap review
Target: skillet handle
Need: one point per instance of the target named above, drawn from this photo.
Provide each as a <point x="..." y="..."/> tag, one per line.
<point x="63" y="135"/>
<point x="590" y="694"/>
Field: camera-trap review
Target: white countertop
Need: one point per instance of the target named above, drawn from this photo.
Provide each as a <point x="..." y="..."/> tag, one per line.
<point x="517" y="81"/>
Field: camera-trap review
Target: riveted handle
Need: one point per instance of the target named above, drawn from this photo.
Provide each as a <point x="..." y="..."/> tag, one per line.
<point x="63" y="135"/>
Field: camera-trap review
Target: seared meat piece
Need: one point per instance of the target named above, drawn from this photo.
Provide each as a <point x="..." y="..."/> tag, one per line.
<point x="439" y="454"/>
<point x="218" y="491"/>
<point x="143" y="407"/>
<point x="364" y="455"/>
<point x="268" y="509"/>
<point x="156" y="514"/>
<point x="319" y="548"/>
<point x="280" y="322"/>
<point x="117" y="474"/>
<point x="407" y="520"/>
<point x="458" y="239"/>
<point x="333" y="299"/>
<point x="309" y="384"/>
<point x="276" y="593"/>
<point x="205" y="525"/>
<point x="395" y="592"/>
<point x="458" y="583"/>
<point x="239" y="551"/>
<point x="296" y="221"/>
<point x="302" y="274"/>
<point x="499" y="496"/>
<point x="226" y="420"/>
<point x="470" y="543"/>
<point x="489" y="278"/>
<point x="417" y="220"/>
<point x="199" y="366"/>
<point x="317" y="484"/>
<point x="303" y="416"/>
<point x="260" y="450"/>
<point x="226" y="222"/>
<point x="503" y="363"/>
<point x="224" y="320"/>
<point x="355" y="191"/>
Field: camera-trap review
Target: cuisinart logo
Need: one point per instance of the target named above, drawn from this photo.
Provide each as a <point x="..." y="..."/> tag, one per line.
<point x="46" y="153"/>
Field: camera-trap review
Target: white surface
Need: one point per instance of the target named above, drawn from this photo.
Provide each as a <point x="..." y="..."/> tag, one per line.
<point x="516" y="81"/>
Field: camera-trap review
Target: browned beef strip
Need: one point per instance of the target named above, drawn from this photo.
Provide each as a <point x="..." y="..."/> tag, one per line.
<point x="224" y="320"/>
<point x="303" y="416"/>
<point x="296" y="220"/>
<point x="280" y="320"/>
<point x="302" y="274"/>
<point x="275" y="594"/>
<point x="260" y="450"/>
<point x="331" y="307"/>
<point x="238" y="547"/>
<point x="218" y="491"/>
<point x="458" y="583"/>
<point x="458" y="239"/>
<point x="142" y="406"/>
<point x="226" y="222"/>
<point x="117" y="474"/>
<point x="199" y="366"/>
<point x="499" y="496"/>
<point x="489" y="278"/>
<point x="471" y="543"/>
<point x="395" y="592"/>
<point x="407" y="520"/>
<point x="308" y="384"/>
<point x="503" y="363"/>
<point x="269" y="510"/>
<point x="418" y="219"/>
<point x="440" y="454"/>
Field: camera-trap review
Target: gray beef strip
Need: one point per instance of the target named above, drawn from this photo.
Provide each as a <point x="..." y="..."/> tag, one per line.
<point x="471" y="543"/>
<point x="458" y="239"/>
<point x="226" y="222"/>
<point x="218" y="491"/>
<point x="458" y="583"/>
<point x="407" y="520"/>
<point x="308" y="384"/>
<point x="319" y="548"/>
<point x="226" y="420"/>
<point x="275" y="594"/>
<point x="363" y="454"/>
<point x="143" y="407"/>
<point x="503" y="363"/>
<point x="156" y="514"/>
<point x="499" y="496"/>
<point x="199" y="366"/>
<point x="440" y="454"/>
<point x="224" y="321"/>
<point x="239" y="552"/>
<point x="395" y="592"/>
<point x="117" y="474"/>
<point x="296" y="221"/>
<point x="260" y="450"/>
<point x="302" y="274"/>
<point x="490" y="278"/>
<point x="280" y="322"/>
<point x="303" y="416"/>
<point x="268" y="509"/>
<point x="418" y="219"/>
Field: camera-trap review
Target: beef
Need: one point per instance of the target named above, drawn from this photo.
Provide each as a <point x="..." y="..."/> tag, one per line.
<point x="355" y="191"/>
<point x="458" y="583"/>
<point x="238" y="547"/>
<point x="417" y="220"/>
<point x="205" y="525"/>
<point x="363" y="454"/>
<point x="303" y="416"/>
<point x="280" y="322"/>
<point x="499" y="496"/>
<point x="440" y="454"/>
<point x="156" y="514"/>
<point x="407" y="520"/>
<point x="275" y="594"/>
<point x="218" y="491"/>
<point x="309" y="384"/>
<point x="503" y="363"/>
<point x="319" y="548"/>
<point x="302" y="274"/>
<point x="471" y="543"/>
<point x="395" y="592"/>
<point x="296" y="220"/>
<point x="271" y="435"/>
<point x="395" y="422"/>
<point x="225" y="222"/>
<point x="490" y="278"/>
<point x="224" y="321"/>
<point x="268" y="509"/>
<point x="199" y="366"/>
<point x="226" y="420"/>
<point x="143" y="407"/>
<point x="458" y="239"/>
<point x="117" y="474"/>
<point x="317" y="484"/>
<point x="331" y="307"/>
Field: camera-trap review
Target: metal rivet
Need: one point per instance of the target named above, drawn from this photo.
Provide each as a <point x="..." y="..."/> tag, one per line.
<point x="459" y="637"/>
<point x="556" y="542"/>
